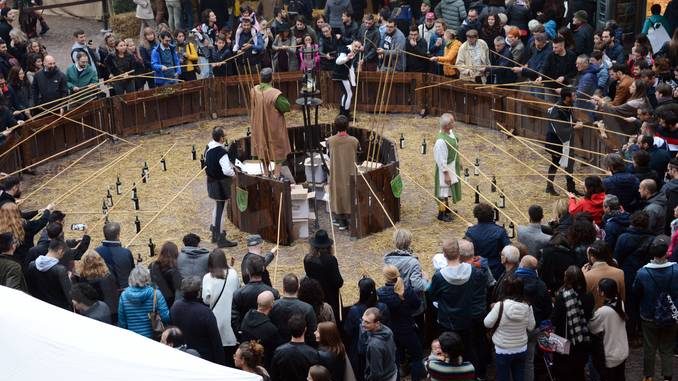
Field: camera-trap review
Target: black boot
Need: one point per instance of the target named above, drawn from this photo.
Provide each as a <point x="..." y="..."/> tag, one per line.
<point x="224" y="242"/>
<point x="442" y="216"/>
<point x="550" y="190"/>
<point x="43" y="27"/>
<point x="215" y="234"/>
<point x="573" y="189"/>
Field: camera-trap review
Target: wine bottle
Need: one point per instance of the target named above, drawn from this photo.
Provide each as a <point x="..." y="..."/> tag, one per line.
<point x="402" y="141"/>
<point x="151" y="247"/>
<point x="477" y="200"/>
<point x="512" y="230"/>
<point x="109" y="198"/>
<point x="163" y="162"/>
<point x="423" y="147"/>
<point x="137" y="224"/>
<point x="494" y="184"/>
<point x="118" y="186"/>
<point x="194" y="154"/>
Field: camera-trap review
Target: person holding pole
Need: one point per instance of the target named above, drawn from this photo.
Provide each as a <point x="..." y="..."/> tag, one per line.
<point x="448" y="168"/>
<point x="559" y="135"/>
<point x="219" y="171"/>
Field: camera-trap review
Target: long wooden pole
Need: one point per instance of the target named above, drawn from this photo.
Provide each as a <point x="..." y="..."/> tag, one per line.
<point x="434" y="197"/>
<point x="522" y="162"/>
<point x="375" y="195"/>
<point x="559" y="121"/>
<point x="62" y="171"/>
<point x="501" y="210"/>
<point x="277" y="241"/>
<point x="334" y="238"/>
<point x="437" y="84"/>
<point x="570" y="107"/>
<point x="168" y="203"/>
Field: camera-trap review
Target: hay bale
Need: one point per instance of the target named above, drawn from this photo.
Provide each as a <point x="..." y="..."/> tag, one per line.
<point x="125" y="25"/>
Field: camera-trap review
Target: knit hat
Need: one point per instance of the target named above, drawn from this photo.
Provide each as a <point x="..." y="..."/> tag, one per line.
<point x="581" y="15"/>
<point x="427" y="2"/>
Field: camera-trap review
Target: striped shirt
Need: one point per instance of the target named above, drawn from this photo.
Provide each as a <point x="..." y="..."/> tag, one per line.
<point x="442" y="371"/>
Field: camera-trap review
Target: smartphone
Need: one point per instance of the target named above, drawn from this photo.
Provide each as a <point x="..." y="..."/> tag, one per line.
<point x="89" y="42"/>
<point x="78" y="227"/>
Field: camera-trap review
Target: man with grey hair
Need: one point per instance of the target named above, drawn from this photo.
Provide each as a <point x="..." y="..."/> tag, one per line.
<point x="448" y="167"/>
<point x="119" y="259"/>
<point x="197" y="322"/>
<point x="270" y="142"/>
<point x="655" y="205"/>
<point x="615" y="219"/>
<point x="510" y="257"/>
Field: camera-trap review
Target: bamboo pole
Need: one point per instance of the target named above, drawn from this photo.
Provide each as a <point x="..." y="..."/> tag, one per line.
<point x="522" y="214"/>
<point x="437" y="84"/>
<point x="522" y="162"/>
<point x="434" y="197"/>
<point x="357" y="83"/>
<point x="277" y="241"/>
<point x="62" y="171"/>
<point x="559" y="121"/>
<point x="51" y="157"/>
<point x="375" y="195"/>
<point x="383" y="124"/>
<point x="570" y="107"/>
<point x="129" y="190"/>
<point x="523" y="83"/>
<point x="334" y="239"/>
<point x="95" y="175"/>
<point x="534" y="93"/>
<point x="548" y="160"/>
<point x="168" y="203"/>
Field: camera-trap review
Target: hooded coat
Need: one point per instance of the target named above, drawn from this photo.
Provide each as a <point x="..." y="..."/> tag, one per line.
<point x="380" y="355"/>
<point x="670" y="190"/>
<point x="656" y="209"/>
<point x="135" y="305"/>
<point x="192" y="261"/>
<point x="455" y="288"/>
<point x="257" y="326"/>
<point x="625" y="186"/>
<point x="593" y="205"/>
<point x="48" y="281"/>
<point x="615" y="224"/>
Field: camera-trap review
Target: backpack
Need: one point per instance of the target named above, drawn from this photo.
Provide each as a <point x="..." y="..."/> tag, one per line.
<point x="665" y="311"/>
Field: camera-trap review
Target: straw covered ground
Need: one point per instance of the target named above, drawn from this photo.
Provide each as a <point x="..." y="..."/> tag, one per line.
<point x="191" y="210"/>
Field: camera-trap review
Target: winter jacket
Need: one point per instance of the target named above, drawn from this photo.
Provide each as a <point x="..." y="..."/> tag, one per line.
<point x="465" y="58"/>
<point x="356" y="335"/>
<point x="616" y="52"/>
<point x="168" y="282"/>
<point x="394" y="47"/>
<point x="615" y="224"/>
<point x="107" y="292"/>
<point x="161" y="56"/>
<point x="417" y="64"/>
<point x="409" y="267"/>
<point x="518" y="15"/>
<point x="217" y="293"/>
<point x="536" y="293"/>
<point x="454" y="289"/>
<point x="516" y="319"/>
<point x="48" y="281"/>
<point x="335" y="364"/>
<point x="615" y="341"/>
<point x="350" y="32"/>
<point x="401" y="310"/>
<point x="559" y="314"/>
<point x="556" y="257"/>
<point x="329" y="45"/>
<point x="200" y="328"/>
<point x="488" y="240"/>
<point x="284" y="308"/>
<point x="11" y="275"/>
<point x="135" y="305"/>
<point x="380" y="360"/>
<point x="192" y="261"/>
<point x="583" y="39"/>
<point x="598" y="271"/>
<point x="670" y="190"/>
<point x="99" y="311"/>
<point x="501" y="75"/>
<point x="370" y="50"/>
<point x="245" y="299"/>
<point x="325" y="269"/>
<point x="656" y="209"/>
<point x="118" y="259"/>
<point x="659" y="160"/>
<point x="625" y="186"/>
<point x="651" y="280"/>
<point x="80" y="78"/>
<point x="593" y="205"/>
<point x="533" y="237"/>
<point x="48" y="86"/>
<point x="656" y="19"/>
<point x="631" y="252"/>
<point x="452" y="11"/>
<point x="587" y="83"/>
<point x="257" y="326"/>
<point x="291" y="362"/>
<point x="333" y="11"/>
<point x="560" y="66"/>
<point x="467" y="25"/>
<point x="536" y="61"/>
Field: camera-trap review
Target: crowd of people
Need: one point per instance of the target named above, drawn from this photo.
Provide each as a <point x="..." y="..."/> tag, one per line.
<point x="566" y="299"/>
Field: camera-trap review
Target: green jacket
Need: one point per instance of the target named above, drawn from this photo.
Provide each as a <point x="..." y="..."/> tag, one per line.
<point x="11" y="275"/>
<point x="80" y="79"/>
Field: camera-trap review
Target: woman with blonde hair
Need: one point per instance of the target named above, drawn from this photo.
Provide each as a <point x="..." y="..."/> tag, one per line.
<point x="92" y="269"/>
<point x="23" y="230"/>
<point x="402" y="302"/>
<point x="147" y="43"/>
<point x="561" y="216"/>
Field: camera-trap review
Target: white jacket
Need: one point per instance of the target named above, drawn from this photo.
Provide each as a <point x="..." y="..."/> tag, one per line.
<point x="211" y="288"/>
<point x="516" y="320"/>
<point x="615" y="342"/>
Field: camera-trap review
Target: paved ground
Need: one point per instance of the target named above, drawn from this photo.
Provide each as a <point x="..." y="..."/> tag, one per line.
<point x="59" y="38"/>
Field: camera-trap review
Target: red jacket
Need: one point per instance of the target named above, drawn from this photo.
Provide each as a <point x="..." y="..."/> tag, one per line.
<point x="594" y="205"/>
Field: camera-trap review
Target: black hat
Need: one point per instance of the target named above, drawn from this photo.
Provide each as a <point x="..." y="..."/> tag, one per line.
<point x="321" y="239"/>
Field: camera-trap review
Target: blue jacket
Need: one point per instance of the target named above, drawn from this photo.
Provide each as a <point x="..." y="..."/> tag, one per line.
<point x="587" y="81"/>
<point x="616" y="52"/>
<point x="656" y="19"/>
<point x="118" y="259"/>
<point x="624" y="185"/>
<point x="488" y="240"/>
<point x="157" y="64"/>
<point x="135" y="305"/>
<point x="536" y="293"/>
<point x="603" y="77"/>
<point x="614" y="226"/>
<point x="650" y="281"/>
<point x="630" y="252"/>
<point x="456" y="290"/>
<point x="401" y="310"/>
<point x="537" y="60"/>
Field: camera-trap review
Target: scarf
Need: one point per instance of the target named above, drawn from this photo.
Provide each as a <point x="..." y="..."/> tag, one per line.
<point x="577" y="329"/>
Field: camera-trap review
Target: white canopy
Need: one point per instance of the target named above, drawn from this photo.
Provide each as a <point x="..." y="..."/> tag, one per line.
<point x="41" y="342"/>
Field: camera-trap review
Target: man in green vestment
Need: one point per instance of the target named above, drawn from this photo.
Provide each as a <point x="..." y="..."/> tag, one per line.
<point x="448" y="167"/>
